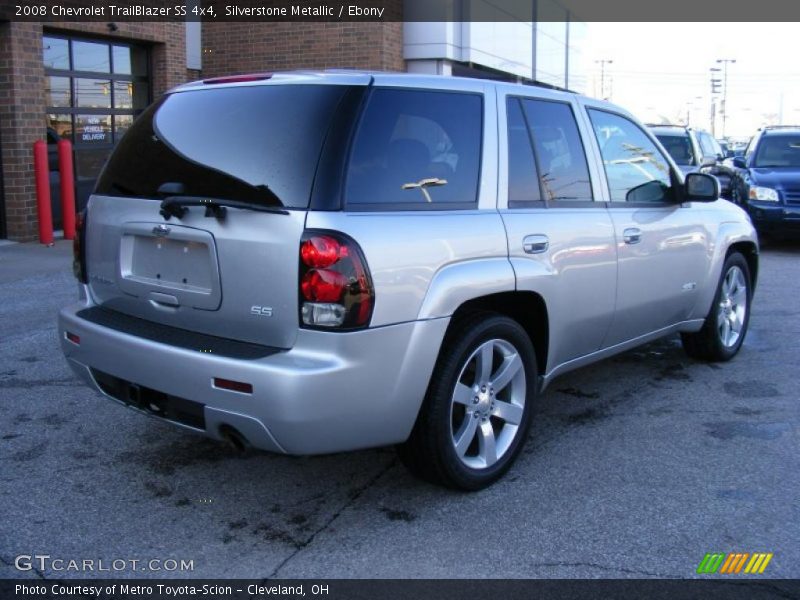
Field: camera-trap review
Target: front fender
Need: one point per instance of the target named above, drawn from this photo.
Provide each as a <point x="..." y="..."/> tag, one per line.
<point x="728" y="234"/>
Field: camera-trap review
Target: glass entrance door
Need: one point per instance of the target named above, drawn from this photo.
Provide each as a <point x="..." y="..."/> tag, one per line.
<point x="94" y="89"/>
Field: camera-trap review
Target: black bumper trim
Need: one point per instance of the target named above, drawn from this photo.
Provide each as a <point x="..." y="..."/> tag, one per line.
<point x="166" y="406"/>
<point x="172" y="336"/>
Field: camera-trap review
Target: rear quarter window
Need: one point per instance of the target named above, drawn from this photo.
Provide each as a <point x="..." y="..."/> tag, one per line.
<point x="416" y="149"/>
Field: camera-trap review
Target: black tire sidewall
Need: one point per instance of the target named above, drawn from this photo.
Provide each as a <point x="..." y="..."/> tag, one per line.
<point x="724" y="352"/>
<point x="470" y="336"/>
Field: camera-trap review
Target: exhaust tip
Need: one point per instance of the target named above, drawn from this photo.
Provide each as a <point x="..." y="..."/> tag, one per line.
<point x="234" y="438"/>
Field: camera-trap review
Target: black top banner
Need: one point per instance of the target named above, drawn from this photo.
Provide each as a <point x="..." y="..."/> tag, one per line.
<point x="50" y="11"/>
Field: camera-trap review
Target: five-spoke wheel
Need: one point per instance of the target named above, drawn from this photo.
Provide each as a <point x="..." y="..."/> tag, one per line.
<point x="725" y="326"/>
<point x="487" y="403"/>
<point x="477" y="411"/>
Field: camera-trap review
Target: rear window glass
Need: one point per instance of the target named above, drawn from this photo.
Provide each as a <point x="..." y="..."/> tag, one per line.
<point x="414" y="149"/>
<point x="257" y="144"/>
<point x="679" y="148"/>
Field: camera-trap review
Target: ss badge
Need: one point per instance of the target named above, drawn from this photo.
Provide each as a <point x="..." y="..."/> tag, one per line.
<point x="261" y="311"/>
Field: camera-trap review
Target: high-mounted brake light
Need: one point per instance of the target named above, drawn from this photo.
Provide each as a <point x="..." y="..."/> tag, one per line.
<point x="335" y="285"/>
<point x="238" y="78"/>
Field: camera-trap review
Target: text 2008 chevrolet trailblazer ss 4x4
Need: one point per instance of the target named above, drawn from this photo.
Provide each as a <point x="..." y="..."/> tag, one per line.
<point x="317" y="262"/>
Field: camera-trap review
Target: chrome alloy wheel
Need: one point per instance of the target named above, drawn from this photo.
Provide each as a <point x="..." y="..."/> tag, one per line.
<point x="487" y="404"/>
<point x="732" y="307"/>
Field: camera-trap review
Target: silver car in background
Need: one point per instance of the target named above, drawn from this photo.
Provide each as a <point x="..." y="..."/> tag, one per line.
<point x="309" y="263"/>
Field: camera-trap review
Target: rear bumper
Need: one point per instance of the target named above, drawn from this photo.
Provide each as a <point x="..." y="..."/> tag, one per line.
<point x="331" y="392"/>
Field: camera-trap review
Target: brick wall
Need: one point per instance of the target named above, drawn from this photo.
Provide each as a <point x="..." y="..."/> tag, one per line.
<point x="22" y="101"/>
<point x="251" y="47"/>
<point x="227" y="48"/>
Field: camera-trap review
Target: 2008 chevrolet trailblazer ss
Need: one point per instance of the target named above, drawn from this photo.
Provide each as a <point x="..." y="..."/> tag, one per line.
<point x="316" y="262"/>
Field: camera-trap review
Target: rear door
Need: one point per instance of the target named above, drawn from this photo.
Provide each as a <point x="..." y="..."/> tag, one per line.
<point x="560" y="235"/>
<point x="234" y="273"/>
<point x="662" y="246"/>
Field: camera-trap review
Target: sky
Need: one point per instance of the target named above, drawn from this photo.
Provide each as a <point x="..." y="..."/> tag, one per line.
<point x="660" y="71"/>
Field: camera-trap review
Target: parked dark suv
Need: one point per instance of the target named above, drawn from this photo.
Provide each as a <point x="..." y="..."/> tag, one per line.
<point x="767" y="180"/>
<point x="695" y="151"/>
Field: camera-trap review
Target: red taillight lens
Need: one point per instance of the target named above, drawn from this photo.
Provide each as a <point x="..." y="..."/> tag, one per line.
<point x="323" y="285"/>
<point x="79" y="248"/>
<point x="320" y="251"/>
<point x="335" y="285"/>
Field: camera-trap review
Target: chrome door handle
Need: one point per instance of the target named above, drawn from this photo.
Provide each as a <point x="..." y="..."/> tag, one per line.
<point x="632" y="235"/>
<point x="535" y="244"/>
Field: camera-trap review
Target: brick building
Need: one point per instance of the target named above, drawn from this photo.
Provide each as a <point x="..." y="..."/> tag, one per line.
<point x="86" y="82"/>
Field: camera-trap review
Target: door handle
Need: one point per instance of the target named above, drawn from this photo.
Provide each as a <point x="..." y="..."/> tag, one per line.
<point x="535" y="244"/>
<point x="632" y="235"/>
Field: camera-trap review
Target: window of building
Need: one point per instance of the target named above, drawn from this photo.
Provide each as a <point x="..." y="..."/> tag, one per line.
<point x="93" y="89"/>
<point x="417" y="149"/>
<point x="635" y="169"/>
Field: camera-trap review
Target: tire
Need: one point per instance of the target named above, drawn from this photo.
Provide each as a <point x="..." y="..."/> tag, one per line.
<point x="725" y="326"/>
<point x="471" y="425"/>
<point x="736" y="196"/>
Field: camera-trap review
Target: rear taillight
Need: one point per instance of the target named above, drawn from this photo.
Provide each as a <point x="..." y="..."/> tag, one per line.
<point x="335" y="285"/>
<point x="79" y="248"/>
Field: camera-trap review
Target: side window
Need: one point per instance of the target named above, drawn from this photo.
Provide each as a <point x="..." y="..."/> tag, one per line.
<point x="523" y="180"/>
<point x="564" y="173"/>
<point x="416" y="148"/>
<point x="751" y="146"/>
<point x="636" y="170"/>
<point x="706" y="144"/>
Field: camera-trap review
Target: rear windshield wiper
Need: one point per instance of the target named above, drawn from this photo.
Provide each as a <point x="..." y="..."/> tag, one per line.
<point x="175" y="206"/>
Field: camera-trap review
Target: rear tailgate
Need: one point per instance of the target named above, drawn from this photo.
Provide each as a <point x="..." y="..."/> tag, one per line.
<point x="235" y="279"/>
<point x="230" y="273"/>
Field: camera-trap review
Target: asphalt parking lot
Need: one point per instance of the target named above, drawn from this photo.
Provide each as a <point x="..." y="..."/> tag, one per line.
<point x="635" y="467"/>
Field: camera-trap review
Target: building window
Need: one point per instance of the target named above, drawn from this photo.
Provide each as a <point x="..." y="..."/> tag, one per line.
<point x="93" y="89"/>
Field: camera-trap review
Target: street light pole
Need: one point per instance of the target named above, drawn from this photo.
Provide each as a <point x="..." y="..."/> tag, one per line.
<point x="724" y="107"/>
<point x="603" y="62"/>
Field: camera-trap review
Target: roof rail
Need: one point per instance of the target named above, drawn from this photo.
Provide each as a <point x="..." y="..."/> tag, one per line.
<point x="664" y="125"/>
<point x="549" y="86"/>
<point x="779" y="127"/>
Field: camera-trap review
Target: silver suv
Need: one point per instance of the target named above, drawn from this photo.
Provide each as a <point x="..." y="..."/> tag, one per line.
<point x="308" y="263"/>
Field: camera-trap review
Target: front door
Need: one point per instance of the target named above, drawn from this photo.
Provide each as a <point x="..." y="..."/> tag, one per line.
<point x="662" y="245"/>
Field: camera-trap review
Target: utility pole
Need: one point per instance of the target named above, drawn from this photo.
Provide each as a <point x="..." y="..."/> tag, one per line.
<point x="715" y="83"/>
<point x="603" y="62"/>
<point x="724" y="106"/>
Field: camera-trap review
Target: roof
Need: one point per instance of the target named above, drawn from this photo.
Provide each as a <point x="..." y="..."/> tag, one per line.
<point x="358" y="77"/>
<point x="779" y="129"/>
<point x="669" y="129"/>
<point x="387" y="78"/>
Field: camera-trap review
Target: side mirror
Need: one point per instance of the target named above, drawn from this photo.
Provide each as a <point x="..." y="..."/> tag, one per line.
<point x="739" y="162"/>
<point x="700" y="187"/>
<point x="649" y="191"/>
<point x="708" y="161"/>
